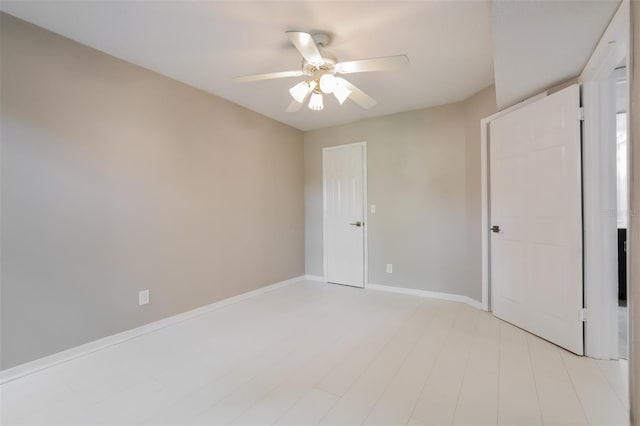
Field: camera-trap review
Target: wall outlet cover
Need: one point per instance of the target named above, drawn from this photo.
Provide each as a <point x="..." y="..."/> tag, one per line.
<point x="143" y="297"/>
<point x="389" y="268"/>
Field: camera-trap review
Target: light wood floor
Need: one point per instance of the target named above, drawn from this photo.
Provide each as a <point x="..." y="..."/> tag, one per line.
<point x="313" y="353"/>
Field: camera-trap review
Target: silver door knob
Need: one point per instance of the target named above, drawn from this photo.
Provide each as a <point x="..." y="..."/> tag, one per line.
<point x="358" y="223"/>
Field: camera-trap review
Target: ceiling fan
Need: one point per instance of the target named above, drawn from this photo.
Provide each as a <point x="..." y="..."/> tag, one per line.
<point x="321" y="69"/>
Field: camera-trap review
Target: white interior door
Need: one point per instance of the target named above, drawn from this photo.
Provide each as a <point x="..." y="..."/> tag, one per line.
<point x="536" y="201"/>
<point x="344" y="207"/>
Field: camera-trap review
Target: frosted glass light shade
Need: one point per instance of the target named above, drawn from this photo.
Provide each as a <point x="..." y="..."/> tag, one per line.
<point x="341" y="93"/>
<point x="315" y="103"/>
<point x="300" y="91"/>
<point x="327" y="83"/>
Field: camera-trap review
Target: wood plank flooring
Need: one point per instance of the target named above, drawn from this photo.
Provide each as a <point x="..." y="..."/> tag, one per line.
<point x="312" y="353"/>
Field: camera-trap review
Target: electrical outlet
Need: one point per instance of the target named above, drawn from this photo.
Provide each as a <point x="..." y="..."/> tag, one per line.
<point x="389" y="268"/>
<point x="143" y="297"/>
<point x="372" y="209"/>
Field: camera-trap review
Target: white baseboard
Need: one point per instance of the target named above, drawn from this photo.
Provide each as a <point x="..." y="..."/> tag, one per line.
<point x="424" y="293"/>
<point x="314" y="278"/>
<point x="31" y="367"/>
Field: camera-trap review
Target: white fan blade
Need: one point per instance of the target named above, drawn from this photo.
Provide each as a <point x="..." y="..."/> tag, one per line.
<point x="267" y="76"/>
<point x="373" y="64"/>
<point x="294" y="106"/>
<point x="306" y="46"/>
<point x="359" y="97"/>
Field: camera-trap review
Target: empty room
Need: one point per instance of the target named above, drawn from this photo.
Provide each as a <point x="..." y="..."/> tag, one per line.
<point x="319" y="212"/>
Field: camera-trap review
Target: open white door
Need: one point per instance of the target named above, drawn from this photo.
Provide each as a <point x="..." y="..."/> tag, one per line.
<point x="536" y="213"/>
<point x="344" y="208"/>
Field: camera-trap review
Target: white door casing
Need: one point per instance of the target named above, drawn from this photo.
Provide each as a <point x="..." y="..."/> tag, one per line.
<point x="344" y="201"/>
<point x="536" y="200"/>
<point x="599" y="185"/>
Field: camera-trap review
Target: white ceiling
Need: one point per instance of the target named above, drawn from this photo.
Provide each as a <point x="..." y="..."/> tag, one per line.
<point x="205" y="43"/>
<point x="538" y="44"/>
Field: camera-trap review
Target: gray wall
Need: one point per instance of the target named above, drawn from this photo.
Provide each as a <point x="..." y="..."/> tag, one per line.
<point x="117" y="179"/>
<point x="477" y="107"/>
<point x="424" y="178"/>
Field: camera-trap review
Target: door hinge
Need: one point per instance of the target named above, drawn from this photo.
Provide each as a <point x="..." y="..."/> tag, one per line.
<point x="583" y="314"/>
<point x="581" y="113"/>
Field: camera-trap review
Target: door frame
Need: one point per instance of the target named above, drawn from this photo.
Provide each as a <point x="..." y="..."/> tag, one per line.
<point x="604" y="59"/>
<point x="601" y="260"/>
<point x="364" y="209"/>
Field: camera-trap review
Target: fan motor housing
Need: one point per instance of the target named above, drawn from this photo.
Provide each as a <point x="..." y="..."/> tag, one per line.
<point x="328" y="67"/>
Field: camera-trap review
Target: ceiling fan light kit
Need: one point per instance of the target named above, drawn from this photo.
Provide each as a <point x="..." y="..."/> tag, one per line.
<point x="326" y="84"/>
<point x="322" y="66"/>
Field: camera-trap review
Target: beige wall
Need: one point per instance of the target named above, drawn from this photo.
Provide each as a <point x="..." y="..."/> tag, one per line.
<point x="424" y="178"/>
<point x="477" y="107"/>
<point x="634" y="252"/>
<point x="117" y="179"/>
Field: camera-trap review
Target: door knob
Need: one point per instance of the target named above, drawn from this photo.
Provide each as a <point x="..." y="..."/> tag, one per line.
<point x="358" y="223"/>
<point x="495" y="228"/>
